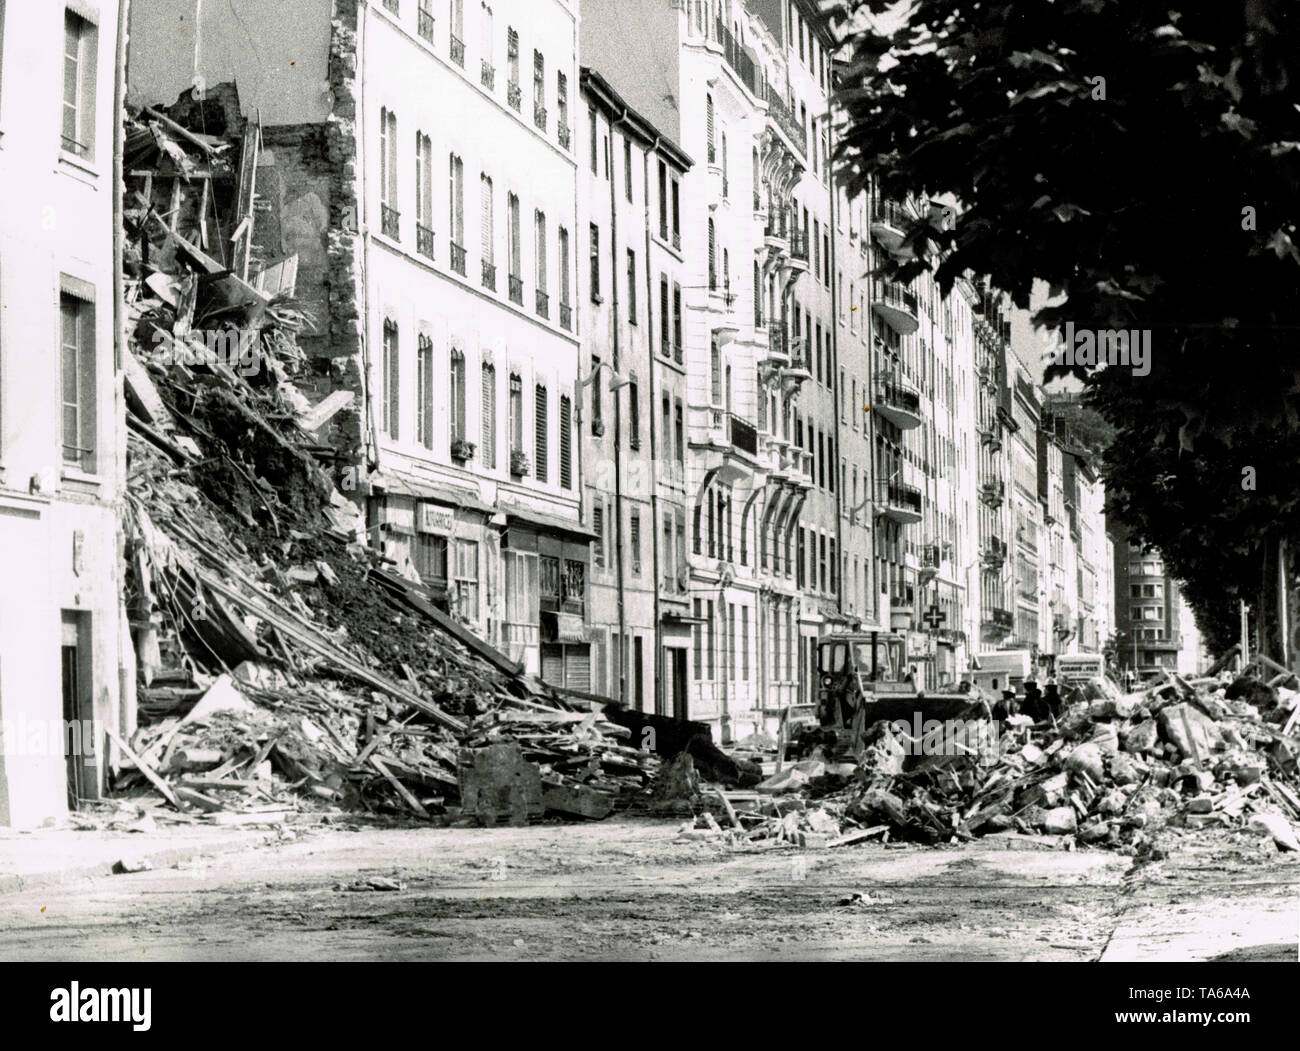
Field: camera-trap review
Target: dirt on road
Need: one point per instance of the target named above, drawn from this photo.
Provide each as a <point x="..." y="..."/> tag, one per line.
<point x="631" y="889"/>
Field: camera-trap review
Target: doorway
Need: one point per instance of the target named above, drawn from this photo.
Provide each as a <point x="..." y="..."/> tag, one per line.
<point x="78" y="708"/>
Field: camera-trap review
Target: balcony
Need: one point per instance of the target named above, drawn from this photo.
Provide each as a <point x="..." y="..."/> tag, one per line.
<point x="743" y="434"/>
<point x="424" y="24"/>
<point x="1001" y="618"/>
<point x="989" y="436"/>
<point x="458" y="51"/>
<point x="898" y="404"/>
<point x="488" y="271"/>
<point x="516" y="290"/>
<point x="566" y="317"/>
<point x="799" y="250"/>
<point x="993" y="493"/>
<point x="737" y="58"/>
<point x="424" y="241"/>
<point x="780" y="114"/>
<point x="487" y="75"/>
<point x="390" y="222"/>
<point x="514" y="95"/>
<point x="393" y="6"/>
<point x="458" y="258"/>
<point x="776" y="231"/>
<point x="543" y="304"/>
<point x="539" y="116"/>
<point x="889" y="225"/>
<point x="900" y="503"/>
<point x="896" y="306"/>
<point x="778" y="348"/>
<point x="564" y="135"/>
<point x="993" y="554"/>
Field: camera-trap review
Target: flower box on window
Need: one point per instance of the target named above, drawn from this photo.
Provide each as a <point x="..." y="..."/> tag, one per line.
<point x="519" y="465"/>
<point x="462" y="450"/>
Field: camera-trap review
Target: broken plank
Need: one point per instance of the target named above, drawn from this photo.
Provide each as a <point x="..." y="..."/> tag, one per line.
<point x="402" y="790"/>
<point x="150" y="775"/>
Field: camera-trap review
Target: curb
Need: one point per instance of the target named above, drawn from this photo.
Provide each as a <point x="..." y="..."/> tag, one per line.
<point x="162" y="859"/>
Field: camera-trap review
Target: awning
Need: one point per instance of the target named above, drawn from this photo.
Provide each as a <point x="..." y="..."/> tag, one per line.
<point x="569" y="628"/>
<point x="547" y="523"/>
<point x="396" y="483"/>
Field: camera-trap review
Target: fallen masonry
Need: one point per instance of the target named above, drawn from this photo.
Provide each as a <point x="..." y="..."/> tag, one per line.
<point x="1114" y="770"/>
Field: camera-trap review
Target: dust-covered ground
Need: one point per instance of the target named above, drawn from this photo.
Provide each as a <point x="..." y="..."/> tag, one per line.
<point x="631" y="889"/>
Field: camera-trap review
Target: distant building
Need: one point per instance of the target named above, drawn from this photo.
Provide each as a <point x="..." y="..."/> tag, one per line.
<point x="1148" y="609"/>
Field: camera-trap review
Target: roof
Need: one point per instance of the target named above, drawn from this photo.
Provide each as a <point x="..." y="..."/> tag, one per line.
<point x="639" y="126"/>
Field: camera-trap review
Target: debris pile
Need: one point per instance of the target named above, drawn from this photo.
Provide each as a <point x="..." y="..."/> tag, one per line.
<point x="1108" y="769"/>
<point x="282" y="663"/>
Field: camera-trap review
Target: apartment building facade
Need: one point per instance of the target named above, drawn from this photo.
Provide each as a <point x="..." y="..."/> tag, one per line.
<point x="633" y="403"/>
<point x="67" y="670"/>
<point x="1148" y="610"/>
<point x="428" y="185"/>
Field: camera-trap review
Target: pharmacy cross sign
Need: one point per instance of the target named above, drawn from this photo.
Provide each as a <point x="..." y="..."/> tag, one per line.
<point x="934" y="618"/>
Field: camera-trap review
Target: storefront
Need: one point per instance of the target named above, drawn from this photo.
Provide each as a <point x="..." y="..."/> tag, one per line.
<point x="547" y="563"/>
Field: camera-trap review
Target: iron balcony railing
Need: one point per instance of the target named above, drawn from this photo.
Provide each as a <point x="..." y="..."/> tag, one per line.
<point x="778" y="343"/>
<point x="458" y="258"/>
<point x="894" y="394"/>
<point x="543" y="304"/>
<point x="783" y="117"/>
<point x="390" y="222"/>
<point x="890" y="212"/>
<point x="1003" y="618"/>
<point x="539" y="116"/>
<point x="488" y="274"/>
<point x="799" y="245"/>
<point x="744" y="435"/>
<point x="899" y="494"/>
<point x="424" y="23"/>
<point x="777" y="225"/>
<point x="895" y="295"/>
<point x="424" y="241"/>
<point x="487" y="74"/>
<point x="565" y="136"/>
<point x="566" y="317"/>
<point x="737" y="58"/>
<point x="514" y="95"/>
<point x="458" y="51"/>
<point x="516" y="289"/>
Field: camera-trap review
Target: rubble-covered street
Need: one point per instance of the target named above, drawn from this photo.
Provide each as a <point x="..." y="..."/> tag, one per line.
<point x="633" y="889"/>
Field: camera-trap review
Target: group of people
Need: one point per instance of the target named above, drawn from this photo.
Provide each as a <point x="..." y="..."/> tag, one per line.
<point x="1039" y="705"/>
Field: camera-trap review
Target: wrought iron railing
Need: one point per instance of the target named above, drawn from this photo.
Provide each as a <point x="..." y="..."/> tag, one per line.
<point x="424" y="241"/>
<point x="458" y="258"/>
<point x="390" y="222"/>
<point x="488" y="274"/>
<point x="516" y="289"/>
<point x="458" y="51"/>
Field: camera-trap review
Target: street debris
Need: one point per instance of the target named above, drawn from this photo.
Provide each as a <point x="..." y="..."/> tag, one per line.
<point x="282" y="664"/>
<point x="1107" y="770"/>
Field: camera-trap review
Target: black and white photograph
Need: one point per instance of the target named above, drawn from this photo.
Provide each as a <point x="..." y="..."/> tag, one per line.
<point x="634" y="481"/>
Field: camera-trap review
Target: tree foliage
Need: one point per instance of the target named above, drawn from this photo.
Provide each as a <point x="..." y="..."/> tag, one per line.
<point x="1143" y="159"/>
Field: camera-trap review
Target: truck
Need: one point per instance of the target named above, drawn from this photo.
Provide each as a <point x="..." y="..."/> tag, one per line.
<point x="1003" y="670"/>
<point x="1075" y="669"/>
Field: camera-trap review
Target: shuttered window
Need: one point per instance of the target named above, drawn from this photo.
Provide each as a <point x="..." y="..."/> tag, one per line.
<point x="541" y="432"/>
<point x="424" y="391"/>
<point x="489" y="441"/>
<point x="708" y="128"/>
<point x="487" y="225"/>
<point x="598" y="527"/>
<point x="566" y="442"/>
<point x="458" y="413"/>
<point x="392" y="375"/>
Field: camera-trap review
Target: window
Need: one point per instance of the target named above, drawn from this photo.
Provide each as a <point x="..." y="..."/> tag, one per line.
<point x="713" y="260"/>
<point x="487" y="38"/>
<point x="627" y="167"/>
<point x="388" y="173"/>
<point x="744" y="643"/>
<point x="681" y="433"/>
<point x="467" y="580"/>
<point x="539" y="82"/>
<point x="708" y="129"/>
<point x="77" y="310"/>
<point x="564" y="268"/>
<point x="758" y="296"/>
<point x="725" y="168"/>
<point x="392" y="375"/>
<point x="631" y="287"/>
<point x="541" y="431"/>
<point x="424" y="391"/>
<point x="634" y="414"/>
<point x="562" y="105"/>
<point x="516" y="413"/>
<point x="431" y="559"/>
<point x="677" y="322"/>
<point x="597" y="400"/>
<point x="598" y="527"/>
<point x="456" y="18"/>
<point x="677" y="215"/>
<point x="634" y="537"/>
<point x="489" y="436"/>
<point x="591" y="123"/>
<point x="663" y="201"/>
<point x="664" y="315"/>
<point x="698" y="632"/>
<point x="566" y="442"/>
<point x="594" y="237"/>
<point x="516" y="262"/>
<point x="80" y="49"/>
<point x="487" y="229"/>
<point x="423" y="195"/>
<point x="457" y="394"/>
<point x="456" y="199"/>
<point x="424" y="20"/>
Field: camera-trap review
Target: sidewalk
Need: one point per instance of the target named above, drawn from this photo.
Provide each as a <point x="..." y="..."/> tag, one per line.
<point x="44" y="857"/>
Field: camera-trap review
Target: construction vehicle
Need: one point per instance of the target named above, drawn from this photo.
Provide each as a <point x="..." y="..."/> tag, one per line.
<point x="855" y="673"/>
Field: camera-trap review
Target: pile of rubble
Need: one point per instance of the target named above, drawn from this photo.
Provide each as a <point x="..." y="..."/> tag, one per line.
<point x="282" y="663"/>
<point x="1108" y="769"/>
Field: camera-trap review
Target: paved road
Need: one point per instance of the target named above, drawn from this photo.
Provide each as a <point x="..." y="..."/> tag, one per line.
<point x="627" y="889"/>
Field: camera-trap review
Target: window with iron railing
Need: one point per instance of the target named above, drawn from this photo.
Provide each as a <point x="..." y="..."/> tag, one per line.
<point x="424" y="20"/>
